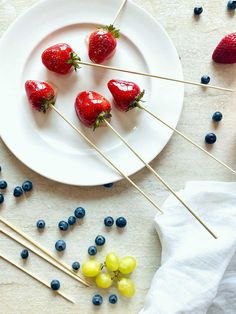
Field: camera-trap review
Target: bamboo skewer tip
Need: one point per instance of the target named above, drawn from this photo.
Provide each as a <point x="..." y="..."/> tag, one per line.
<point x="45" y="251"/>
<point x="35" y="278"/>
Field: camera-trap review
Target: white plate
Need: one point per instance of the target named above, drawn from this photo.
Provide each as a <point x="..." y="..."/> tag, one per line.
<point x="44" y="142"/>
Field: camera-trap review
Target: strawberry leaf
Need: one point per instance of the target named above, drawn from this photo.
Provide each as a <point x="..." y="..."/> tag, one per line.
<point x="100" y="119"/>
<point x="111" y="29"/>
<point x="74" y="58"/>
<point x="136" y="101"/>
<point x="46" y="102"/>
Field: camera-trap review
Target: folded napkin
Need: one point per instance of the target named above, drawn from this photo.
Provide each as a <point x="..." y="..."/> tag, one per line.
<point x="197" y="273"/>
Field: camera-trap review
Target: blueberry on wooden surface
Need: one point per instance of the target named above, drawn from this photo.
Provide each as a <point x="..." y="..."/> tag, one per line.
<point x="27" y="186"/>
<point x="210" y="138"/>
<point x="17" y="191"/>
<point x="121" y="222"/>
<point x="24" y="254"/>
<point x="109" y="221"/>
<point x="55" y="285"/>
<point x="79" y="212"/>
<point x="60" y="245"/>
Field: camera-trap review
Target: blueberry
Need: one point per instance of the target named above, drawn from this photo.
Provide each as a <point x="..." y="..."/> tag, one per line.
<point x="79" y="212"/>
<point x="24" y="254"/>
<point x="60" y="245"/>
<point x="18" y="191"/>
<point x="92" y="250"/>
<point x="108" y="185"/>
<point x="217" y="116"/>
<point x="205" y="79"/>
<point x="97" y="299"/>
<point x="198" y="10"/>
<point x="113" y="299"/>
<point x="231" y="5"/>
<point x="63" y="225"/>
<point x="55" y="285"/>
<point x="71" y="220"/>
<point x="27" y="186"/>
<point x="210" y="138"/>
<point x="121" y="222"/>
<point x="1" y="198"/>
<point x="3" y="184"/>
<point x="100" y="240"/>
<point x="108" y="221"/>
<point x="40" y="224"/>
<point x="76" y="265"/>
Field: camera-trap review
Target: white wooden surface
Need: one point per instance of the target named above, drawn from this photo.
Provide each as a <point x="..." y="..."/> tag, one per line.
<point x="178" y="163"/>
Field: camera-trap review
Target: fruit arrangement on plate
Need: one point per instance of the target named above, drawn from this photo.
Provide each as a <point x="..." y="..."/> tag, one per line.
<point x="94" y="110"/>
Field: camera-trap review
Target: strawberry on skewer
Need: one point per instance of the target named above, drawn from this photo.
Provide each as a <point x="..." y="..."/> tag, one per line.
<point x="60" y="58"/>
<point x="40" y="97"/>
<point x="126" y="95"/>
<point x="92" y="110"/>
<point x="103" y="42"/>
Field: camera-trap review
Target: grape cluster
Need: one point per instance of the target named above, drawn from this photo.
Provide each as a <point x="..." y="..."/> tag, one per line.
<point x="111" y="272"/>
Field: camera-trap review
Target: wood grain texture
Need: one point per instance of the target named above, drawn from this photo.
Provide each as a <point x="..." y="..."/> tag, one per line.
<point x="179" y="162"/>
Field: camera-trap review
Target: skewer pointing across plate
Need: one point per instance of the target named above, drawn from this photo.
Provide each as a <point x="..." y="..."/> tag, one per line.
<point x="111" y="68"/>
<point x="121" y="172"/>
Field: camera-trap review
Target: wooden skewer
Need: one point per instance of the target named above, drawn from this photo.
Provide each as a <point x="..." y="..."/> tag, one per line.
<point x="187" y="139"/>
<point x="112" y="164"/>
<point x="161" y="179"/>
<point x="43" y="257"/>
<point x="118" y="12"/>
<point x="35" y="277"/>
<point x="105" y="157"/>
<point x="106" y="67"/>
<point x="41" y="248"/>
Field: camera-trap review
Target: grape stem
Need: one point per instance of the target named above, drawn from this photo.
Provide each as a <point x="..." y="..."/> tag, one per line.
<point x="103" y="265"/>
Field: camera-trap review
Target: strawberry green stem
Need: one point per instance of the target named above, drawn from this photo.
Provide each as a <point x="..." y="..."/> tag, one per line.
<point x="100" y="119"/>
<point x="111" y="29"/>
<point x="135" y="103"/>
<point x="74" y="58"/>
<point x="46" y="103"/>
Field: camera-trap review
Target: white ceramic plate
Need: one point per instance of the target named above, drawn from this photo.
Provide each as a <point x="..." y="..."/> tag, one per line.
<point x="44" y="142"/>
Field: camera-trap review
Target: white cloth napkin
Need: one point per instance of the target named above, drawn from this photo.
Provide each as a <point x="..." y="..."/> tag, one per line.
<point x="197" y="273"/>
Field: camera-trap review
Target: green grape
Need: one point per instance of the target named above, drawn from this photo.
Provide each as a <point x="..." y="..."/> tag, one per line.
<point x="91" y="268"/>
<point x="126" y="287"/>
<point x="104" y="280"/>
<point x="127" y="265"/>
<point x="112" y="261"/>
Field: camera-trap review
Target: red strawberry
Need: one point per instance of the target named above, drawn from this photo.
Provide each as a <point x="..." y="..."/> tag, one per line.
<point x="102" y="43"/>
<point x="225" y="52"/>
<point x="127" y="95"/>
<point x="60" y="58"/>
<point x="92" y="108"/>
<point x="40" y="95"/>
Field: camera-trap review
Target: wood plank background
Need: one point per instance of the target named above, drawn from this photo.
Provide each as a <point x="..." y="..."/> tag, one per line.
<point x="178" y="163"/>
